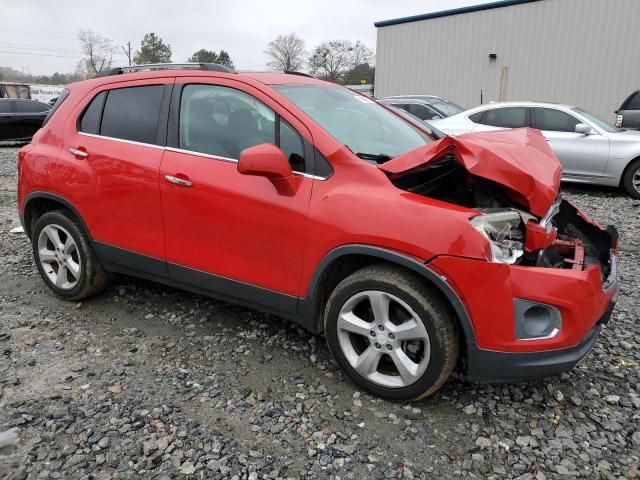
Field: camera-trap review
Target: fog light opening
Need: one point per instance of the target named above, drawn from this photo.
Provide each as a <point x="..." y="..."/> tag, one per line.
<point x="536" y="321"/>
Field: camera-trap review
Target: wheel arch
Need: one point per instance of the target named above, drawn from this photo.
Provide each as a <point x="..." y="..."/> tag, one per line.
<point x="38" y="203"/>
<point x="346" y="259"/>
<point x="627" y="167"/>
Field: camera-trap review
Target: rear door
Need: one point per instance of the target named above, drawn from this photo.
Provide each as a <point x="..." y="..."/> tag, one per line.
<point x="7" y="128"/>
<point x="28" y="118"/>
<point x="580" y="155"/>
<point x="630" y="111"/>
<point x="116" y="147"/>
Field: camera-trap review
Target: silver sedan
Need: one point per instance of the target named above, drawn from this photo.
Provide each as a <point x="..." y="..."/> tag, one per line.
<point x="590" y="150"/>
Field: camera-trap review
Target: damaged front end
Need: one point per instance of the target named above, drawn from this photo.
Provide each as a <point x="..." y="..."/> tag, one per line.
<point x="512" y="178"/>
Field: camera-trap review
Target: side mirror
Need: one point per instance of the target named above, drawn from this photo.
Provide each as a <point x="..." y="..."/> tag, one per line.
<point x="267" y="160"/>
<point x="583" y="128"/>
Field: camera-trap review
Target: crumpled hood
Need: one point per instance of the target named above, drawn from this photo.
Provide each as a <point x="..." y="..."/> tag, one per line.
<point x="519" y="159"/>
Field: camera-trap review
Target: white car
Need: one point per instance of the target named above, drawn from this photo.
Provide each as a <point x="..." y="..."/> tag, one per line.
<point x="590" y="150"/>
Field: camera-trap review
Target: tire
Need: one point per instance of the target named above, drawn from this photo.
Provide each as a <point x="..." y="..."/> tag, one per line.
<point x="414" y="310"/>
<point x="631" y="179"/>
<point x="58" y="237"/>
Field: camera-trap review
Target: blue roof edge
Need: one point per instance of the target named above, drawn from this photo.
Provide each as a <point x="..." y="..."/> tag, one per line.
<point x="455" y="11"/>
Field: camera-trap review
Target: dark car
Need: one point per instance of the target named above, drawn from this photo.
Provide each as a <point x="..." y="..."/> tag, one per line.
<point x="628" y="115"/>
<point x="425" y="107"/>
<point x="20" y="118"/>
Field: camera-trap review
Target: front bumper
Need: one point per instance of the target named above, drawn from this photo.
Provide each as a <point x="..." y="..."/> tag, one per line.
<point x="489" y="366"/>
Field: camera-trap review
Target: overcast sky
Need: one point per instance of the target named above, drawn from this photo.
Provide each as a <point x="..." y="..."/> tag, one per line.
<point x="40" y="37"/>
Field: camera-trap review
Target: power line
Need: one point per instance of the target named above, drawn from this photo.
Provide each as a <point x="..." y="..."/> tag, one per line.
<point x="7" y="52"/>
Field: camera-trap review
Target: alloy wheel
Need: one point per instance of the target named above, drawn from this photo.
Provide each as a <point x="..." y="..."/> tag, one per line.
<point x="59" y="257"/>
<point x="383" y="339"/>
<point x="635" y="180"/>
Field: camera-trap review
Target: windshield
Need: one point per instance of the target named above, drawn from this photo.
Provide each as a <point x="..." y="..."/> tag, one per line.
<point x="354" y="120"/>
<point x="601" y="123"/>
<point x="446" y="108"/>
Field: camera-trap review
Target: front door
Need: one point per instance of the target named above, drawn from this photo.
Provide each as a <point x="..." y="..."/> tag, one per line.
<point x="580" y="155"/>
<point x="7" y="126"/>
<point x="228" y="232"/>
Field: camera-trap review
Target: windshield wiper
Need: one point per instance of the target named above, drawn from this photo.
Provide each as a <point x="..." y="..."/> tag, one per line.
<point x="378" y="158"/>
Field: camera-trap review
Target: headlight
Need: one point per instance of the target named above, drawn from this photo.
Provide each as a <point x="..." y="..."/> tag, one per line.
<point x="505" y="232"/>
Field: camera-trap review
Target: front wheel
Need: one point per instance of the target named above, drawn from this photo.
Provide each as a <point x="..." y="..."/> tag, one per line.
<point x="631" y="179"/>
<point x="391" y="334"/>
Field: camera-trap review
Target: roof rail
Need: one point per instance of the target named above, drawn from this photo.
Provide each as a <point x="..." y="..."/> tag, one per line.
<point x="301" y="74"/>
<point x="211" y="67"/>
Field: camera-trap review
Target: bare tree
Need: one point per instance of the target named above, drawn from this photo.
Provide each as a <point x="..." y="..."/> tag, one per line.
<point x="285" y="53"/>
<point x="98" y="51"/>
<point x="332" y="60"/>
<point x="361" y="54"/>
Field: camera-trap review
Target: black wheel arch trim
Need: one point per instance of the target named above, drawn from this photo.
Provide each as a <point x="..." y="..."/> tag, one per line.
<point x="54" y="197"/>
<point x="309" y="305"/>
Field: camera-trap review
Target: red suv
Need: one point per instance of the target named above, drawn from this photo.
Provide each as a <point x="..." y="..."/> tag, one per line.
<point x="312" y="202"/>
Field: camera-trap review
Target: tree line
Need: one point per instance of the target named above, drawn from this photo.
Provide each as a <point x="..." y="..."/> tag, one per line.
<point x="341" y="61"/>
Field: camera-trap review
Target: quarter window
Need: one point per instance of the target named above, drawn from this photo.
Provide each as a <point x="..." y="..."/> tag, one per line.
<point x="132" y="113"/>
<point x="477" y="117"/>
<point x="554" y="120"/>
<point x="90" y="122"/>
<point x="512" y="117"/>
<point x="223" y="121"/>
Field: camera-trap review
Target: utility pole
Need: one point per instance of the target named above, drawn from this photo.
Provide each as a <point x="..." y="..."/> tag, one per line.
<point x="127" y="51"/>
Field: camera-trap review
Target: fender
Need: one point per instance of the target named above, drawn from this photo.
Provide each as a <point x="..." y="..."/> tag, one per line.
<point x="309" y="305"/>
<point x="56" y="198"/>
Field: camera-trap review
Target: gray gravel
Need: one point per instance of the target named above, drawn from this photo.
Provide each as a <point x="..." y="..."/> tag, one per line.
<point x="145" y="381"/>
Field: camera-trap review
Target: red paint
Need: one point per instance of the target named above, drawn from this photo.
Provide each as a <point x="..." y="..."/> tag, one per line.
<point x="519" y="159"/>
<point x="245" y="227"/>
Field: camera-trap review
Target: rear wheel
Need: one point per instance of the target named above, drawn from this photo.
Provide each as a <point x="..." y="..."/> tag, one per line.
<point x="631" y="179"/>
<point x="391" y="334"/>
<point x="65" y="258"/>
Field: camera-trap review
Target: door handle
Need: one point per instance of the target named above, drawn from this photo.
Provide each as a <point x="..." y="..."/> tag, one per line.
<point x="183" y="182"/>
<point x="79" y="153"/>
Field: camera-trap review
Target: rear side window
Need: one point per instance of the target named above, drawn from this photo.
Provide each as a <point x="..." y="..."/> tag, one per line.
<point x="90" y="120"/>
<point x="512" y="117"/>
<point x="132" y="113"/>
<point x="61" y="98"/>
<point x="477" y="117"/>
<point x="31" y="107"/>
<point x="634" y="102"/>
<point x="554" y="120"/>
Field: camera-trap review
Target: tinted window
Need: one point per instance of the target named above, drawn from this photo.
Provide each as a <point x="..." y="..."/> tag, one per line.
<point x="5" y="106"/>
<point x="420" y="111"/>
<point x="31" y="107"/>
<point x="61" y="98"/>
<point x="292" y="146"/>
<point x="476" y="117"/>
<point x="132" y="113"/>
<point x="446" y="107"/>
<point x="90" y="122"/>
<point x="514" y="117"/>
<point x="634" y="102"/>
<point x="223" y="121"/>
<point x="554" y="120"/>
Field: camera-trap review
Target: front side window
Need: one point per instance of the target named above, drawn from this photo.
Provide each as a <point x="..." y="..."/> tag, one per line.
<point x="132" y="113"/>
<point x="607" y="127"/>
<point x="633" y="103"/>
<point x="223" y="121"/>
<point x="422" y="112"/>
<point x="365" y="127"/>
<point x="554" y="120"/>
<point x="446" y="107"/>
<point x="511" y="117"/>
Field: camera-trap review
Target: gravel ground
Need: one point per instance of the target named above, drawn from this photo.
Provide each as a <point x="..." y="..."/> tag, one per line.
<point x="148" y="381"/>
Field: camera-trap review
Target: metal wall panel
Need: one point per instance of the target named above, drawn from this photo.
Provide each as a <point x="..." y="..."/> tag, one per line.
<point x="584" y="52"/>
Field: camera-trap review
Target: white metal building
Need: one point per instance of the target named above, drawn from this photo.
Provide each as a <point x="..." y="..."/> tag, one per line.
<point x="583" y="52"/>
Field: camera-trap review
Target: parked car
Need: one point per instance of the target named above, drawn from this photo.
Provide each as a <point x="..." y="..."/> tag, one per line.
<point x="20" y="119"/>
<point x="423" y="124"/>
<point x="628" y="115"/>
<point x="589" y="149"/>
<point x="425" y="107"/>
<point x="304" y="199"/>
